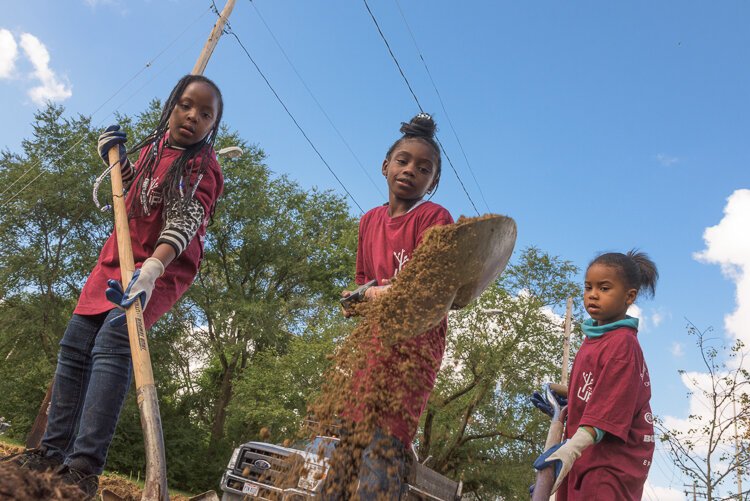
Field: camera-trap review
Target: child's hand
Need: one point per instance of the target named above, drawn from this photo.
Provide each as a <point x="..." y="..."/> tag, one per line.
<point x="111" y="137"/>
<point x="379" y="290"/>
<point x="347" y="313"/>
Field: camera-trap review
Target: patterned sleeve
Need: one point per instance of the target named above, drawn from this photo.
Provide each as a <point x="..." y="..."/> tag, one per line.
<point x="181" y="226"/>
<point x="128" y="174"/>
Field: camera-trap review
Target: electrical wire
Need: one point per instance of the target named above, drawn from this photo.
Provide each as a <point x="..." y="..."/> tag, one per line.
<point x="442" y="104"/>
<point x="320" y="107"/>
<point x="406" y="80"/>
<point x="230" y="31"/>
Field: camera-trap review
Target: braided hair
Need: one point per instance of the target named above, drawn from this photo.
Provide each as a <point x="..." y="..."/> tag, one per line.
<point x="422" y="127"/>
<point x="636" y="269"/>
<point x="183" y="176"/>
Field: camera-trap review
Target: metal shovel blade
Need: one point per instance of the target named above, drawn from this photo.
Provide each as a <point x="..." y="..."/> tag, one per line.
<point x="206" y="496"/>
<point x="107" y="495"/>
<point x="452" y="267"/>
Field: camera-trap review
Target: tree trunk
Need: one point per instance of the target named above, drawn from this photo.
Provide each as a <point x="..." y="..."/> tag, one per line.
<point x="225" y="395"/>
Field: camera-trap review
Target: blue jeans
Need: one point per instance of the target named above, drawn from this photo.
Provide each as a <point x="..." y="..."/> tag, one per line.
<point x="91" y="381"/>
<point x="375" y="473"/>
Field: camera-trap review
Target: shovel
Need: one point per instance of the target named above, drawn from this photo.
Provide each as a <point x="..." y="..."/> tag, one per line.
<point x="545" y="479"/>
<point x="451" y="267"/>
<point x="155" y="488"/>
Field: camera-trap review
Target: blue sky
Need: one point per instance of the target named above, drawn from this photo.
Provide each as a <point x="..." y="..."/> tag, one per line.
<point x="597" y="126"/>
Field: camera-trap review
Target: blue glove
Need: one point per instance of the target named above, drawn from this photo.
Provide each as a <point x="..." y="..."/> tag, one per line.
<point x="140" y="286"/>
<point x="111" y="137"/>
<point x="541" y="463"/>
<point x="541" y="402"/>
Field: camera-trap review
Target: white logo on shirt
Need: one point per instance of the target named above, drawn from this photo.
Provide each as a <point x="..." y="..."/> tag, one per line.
<point x="152" y="192"/>
<point x="584" y="392"/>
<point x="401" y="258"/>
<point x="644" y="375"/>
<point x="649" y="418"/>
<point x="649" y="438"/>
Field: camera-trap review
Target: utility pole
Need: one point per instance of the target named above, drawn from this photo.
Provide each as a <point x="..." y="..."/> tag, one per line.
<point x="213" y="39"/>
<point x="566" y="341"/>
<point x="737" y="449"/>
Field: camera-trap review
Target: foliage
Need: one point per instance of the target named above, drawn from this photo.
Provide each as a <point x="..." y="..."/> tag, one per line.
<point x="715" y="446"/>
<point x="479" y="425"/>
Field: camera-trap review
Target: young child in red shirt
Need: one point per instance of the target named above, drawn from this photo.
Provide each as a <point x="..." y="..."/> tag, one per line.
<point x="609" y="430"/>
<point x="388" y="235"/>
<point x="172" y="193"/>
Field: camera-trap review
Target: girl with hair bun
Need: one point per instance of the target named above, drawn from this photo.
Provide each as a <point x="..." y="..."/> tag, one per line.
<point x="375" y="468"/>
<point x="609" y="431"/>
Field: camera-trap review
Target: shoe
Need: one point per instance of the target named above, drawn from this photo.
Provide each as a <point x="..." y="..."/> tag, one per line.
<point x="87" y="482"/>
<point x="33" y="459"/>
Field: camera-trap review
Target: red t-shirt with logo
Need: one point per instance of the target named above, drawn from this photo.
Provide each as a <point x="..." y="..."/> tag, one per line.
<point x="385" y="246"/>
<point x="144" y="233"/>
<point x="610" y="389"/>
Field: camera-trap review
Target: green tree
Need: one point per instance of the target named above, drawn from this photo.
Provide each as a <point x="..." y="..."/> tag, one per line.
<point x="47" y="224"/>
<point x="479" y="425"/>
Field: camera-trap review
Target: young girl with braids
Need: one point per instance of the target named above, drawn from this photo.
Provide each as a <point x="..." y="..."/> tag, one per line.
<point x="173" y="189"/>
<point x="388" y="235"/>
<point x="609" y="431"/>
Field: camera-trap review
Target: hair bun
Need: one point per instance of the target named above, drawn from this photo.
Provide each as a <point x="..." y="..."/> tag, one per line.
<point x="421" y="125"/>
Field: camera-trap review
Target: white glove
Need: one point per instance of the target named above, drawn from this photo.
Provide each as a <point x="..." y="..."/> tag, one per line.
<point x="140" y="286"/>
<point x="562" y="456"/>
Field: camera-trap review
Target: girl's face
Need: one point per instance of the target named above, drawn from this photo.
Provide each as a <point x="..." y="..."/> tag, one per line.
<point x="606" y="296"/>
<point x="194" y="115"/>
<point x="410" y="170"/>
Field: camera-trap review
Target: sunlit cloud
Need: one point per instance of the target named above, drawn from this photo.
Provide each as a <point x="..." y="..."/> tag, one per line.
<point x="8" y="53"/>
<point x="728" y="245"/>
<point x="677" y="350"/>
<point x="51" y="88"/>
<point x="667" y="160"/>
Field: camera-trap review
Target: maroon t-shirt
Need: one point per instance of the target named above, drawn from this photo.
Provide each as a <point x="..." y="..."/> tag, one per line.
<point x="145" y="231"/>
<point x="610" y="389"/>
<point x="385" y="246"/>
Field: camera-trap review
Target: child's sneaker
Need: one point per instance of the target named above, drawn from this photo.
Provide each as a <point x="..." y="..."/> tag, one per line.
<point x="87" y="482"/>
<point x="33" y="459"/>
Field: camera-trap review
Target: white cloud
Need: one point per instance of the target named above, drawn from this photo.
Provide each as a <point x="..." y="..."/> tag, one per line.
<point x="728" y="245"/>
<point x="657" y="318"/>
<point x="677" y="350"/>
<point x="667" y="160"/>
<point x="51" y="88"/>
<point x="8" y="53"/>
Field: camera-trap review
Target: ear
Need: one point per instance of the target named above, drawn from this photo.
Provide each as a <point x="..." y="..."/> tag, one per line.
<point x="384" y="168"/>
<point x="630" y="296"/>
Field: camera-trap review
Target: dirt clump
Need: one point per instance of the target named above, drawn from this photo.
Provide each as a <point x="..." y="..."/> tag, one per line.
<point x="27" y="485"/>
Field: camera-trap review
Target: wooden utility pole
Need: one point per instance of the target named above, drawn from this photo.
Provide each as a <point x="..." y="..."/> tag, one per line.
<point x="213" y="39"/>
<point x="566" y="341"/>
<point x="737" y="449"/>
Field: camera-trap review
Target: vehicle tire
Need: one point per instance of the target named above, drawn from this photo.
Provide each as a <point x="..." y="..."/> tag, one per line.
<point x="229" y="496"/>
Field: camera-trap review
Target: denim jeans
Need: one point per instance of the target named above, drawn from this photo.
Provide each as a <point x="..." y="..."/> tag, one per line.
<point x="380" y="470"/>
<point x="91" y="381"/>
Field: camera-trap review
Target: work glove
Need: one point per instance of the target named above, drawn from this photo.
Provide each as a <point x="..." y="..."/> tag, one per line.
<point x="111" y="137"/>
<point x="562" y="456"/>
<point x="540" y="402"/>
<point x="140" y="286"/>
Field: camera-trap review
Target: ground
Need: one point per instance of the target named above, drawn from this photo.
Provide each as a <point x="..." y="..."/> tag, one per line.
<point x="23" y="485"/>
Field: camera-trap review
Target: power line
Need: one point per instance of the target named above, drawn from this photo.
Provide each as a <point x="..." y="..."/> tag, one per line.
<point x="230" y="31"/>
<point x="398" y="65"/>
<point x="320" y="107"/>
<point x="442" y="104"/>
<point x="122" y="87"/>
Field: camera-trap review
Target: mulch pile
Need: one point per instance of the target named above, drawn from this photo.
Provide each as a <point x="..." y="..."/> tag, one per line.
<point x="23" y="485"/>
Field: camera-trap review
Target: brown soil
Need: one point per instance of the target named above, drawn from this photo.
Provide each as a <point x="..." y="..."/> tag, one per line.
<point x="382" y="363"/>
<point x="25" y="485"/>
